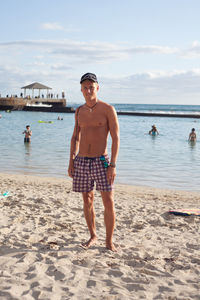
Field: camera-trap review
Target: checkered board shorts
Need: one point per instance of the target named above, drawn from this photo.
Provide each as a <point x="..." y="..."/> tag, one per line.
<point x="88" y="170"/>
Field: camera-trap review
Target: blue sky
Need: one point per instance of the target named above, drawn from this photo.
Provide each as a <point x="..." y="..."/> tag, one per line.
<point x="144" y="51"/>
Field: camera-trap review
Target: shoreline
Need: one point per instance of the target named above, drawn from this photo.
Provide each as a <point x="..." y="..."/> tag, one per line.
<point x="42" y="227"/>
<point x="122" y="187"/>
<point x="116" y="184"/>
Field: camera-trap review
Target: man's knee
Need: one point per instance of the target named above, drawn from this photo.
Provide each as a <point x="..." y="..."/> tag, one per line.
<point x="109" y="205"/>
<point x="88" y="198"/>
<point x="108" y="200"/>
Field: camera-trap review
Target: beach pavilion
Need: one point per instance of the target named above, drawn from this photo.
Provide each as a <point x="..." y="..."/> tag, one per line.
<point x="36" y="86"/>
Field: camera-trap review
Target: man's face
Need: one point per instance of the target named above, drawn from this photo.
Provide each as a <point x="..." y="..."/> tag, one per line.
<point x="89" y="89"/>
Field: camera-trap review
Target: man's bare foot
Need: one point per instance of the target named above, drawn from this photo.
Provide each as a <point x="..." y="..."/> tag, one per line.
<point x="89" y="243"/>
<point x="110" y="246"/>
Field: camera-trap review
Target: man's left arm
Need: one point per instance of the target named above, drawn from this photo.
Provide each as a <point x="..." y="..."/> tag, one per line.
<point x="114" y="132"/>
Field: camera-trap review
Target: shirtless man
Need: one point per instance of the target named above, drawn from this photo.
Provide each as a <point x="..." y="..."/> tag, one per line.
<point x="28" y="134"/>
<point x="89" y="161"/>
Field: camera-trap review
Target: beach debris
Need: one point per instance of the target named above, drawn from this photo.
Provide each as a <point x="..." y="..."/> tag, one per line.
<point x="185" y="212"/>
<point x="45" y="121"/>
<point x="4" y="194"/>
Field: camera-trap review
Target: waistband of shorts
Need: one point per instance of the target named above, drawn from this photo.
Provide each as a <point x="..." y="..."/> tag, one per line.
<point x="90" y="158"/>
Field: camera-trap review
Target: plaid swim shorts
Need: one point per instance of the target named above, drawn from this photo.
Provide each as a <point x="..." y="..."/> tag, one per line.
<point x="90" y="170"/>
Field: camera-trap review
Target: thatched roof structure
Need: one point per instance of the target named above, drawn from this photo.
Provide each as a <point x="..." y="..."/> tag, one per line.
<point x="36" y="86"/>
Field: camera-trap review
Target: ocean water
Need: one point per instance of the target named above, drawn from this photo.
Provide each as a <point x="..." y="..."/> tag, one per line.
<point x="165" y="161"/>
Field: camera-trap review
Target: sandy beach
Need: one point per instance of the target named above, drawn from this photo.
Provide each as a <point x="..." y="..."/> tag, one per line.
<point x="42" y="227"/>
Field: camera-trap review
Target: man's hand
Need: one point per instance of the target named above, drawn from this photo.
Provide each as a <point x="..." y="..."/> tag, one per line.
<point x="71" y="169"/>
<point x="111" y="173"/>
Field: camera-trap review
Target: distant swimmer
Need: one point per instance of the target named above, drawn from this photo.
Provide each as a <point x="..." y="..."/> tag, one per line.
<point x="153" y="131"/>
<point x="192" y="135"/>
<point x="28" y="134"/>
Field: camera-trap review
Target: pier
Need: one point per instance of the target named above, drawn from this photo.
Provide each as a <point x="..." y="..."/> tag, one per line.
<point x="32" y="104"/>
<point x="59" y="106"/>
<point x="25" y="102"/>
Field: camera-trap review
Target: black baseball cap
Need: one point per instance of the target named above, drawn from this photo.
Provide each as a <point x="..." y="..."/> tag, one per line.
<point x="89" y="76"/>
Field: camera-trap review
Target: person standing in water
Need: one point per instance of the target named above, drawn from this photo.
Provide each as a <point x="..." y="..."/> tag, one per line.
<point x="192" y="135"/>
<point x="153" y="131"/>
<point x="89" y="162"/>
<point x="28" y="134"/>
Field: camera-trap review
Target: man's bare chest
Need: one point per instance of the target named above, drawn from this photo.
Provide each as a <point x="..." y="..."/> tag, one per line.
<point x="92" y="119"/>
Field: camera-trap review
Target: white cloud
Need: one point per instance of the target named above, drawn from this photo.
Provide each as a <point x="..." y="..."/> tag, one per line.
<point x="193" y="51"/>
<point x="52" y="26"/>
<point x="152" y="49"/>
<point x="59" y="63"/>
<point x="96" y="49"/>
<point x="176" y="87"/>
<point x="60" y="67"/>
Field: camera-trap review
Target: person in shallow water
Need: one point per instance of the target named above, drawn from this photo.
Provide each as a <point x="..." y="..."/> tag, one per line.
<point x="192" y="135"/>
<point x="153" y="130"/>
<point x="93" y="122"/>
<point x="28" y="134"/>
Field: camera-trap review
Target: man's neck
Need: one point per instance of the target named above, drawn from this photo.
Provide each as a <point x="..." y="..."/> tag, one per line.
<point x="91" y="103"/>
